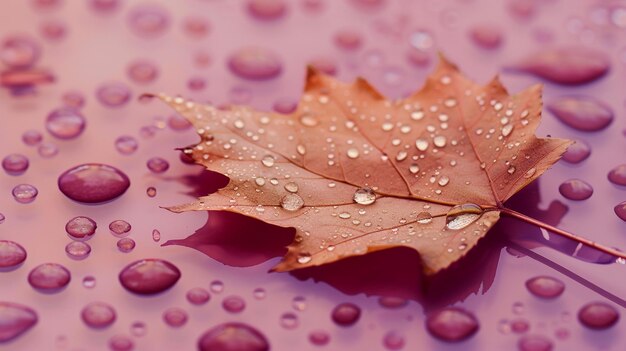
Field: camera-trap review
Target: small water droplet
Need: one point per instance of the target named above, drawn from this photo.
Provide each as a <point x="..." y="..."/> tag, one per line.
<point x="545" y="287"/>
<point x="81" y="228"/>
<point x="576" y="189"/>
<point x="89" y="282"/>
<point x="49" y="277"/>
<point x="149" y="276"/>
<point x="157" y="165"/>
<point x="439" y="141"/>
<point x="175" y="317"/>
<point x="259" y="293"/>
<point x="11" y="254"/>
<point x="198" y="296"/>
<point x="364" y="196"/>
<point x="268" y="160"/>
<point x="598" y="315"/>
<point x="461" y="216"/>
<point x="443" y="180"/>
<point x="421" y="144"/>
<point x="424" y="218"/>
<point x="126" y="245"/>
<point x="156" y="235"/>
<point x="291" y="187"/>
<point x="233" y="304"/>
<point x="119" y="227"/>
<point x="15" y="164"/>
<point x="531" y="172"/>
<point x="353" y="153"/>
<point x="78" y="250"/>
<point x="414" y="168"/>
<point x="292" y="202"/>
<point x="304" y="258"/>
<point x="25" y="193"/>
<point x="506" y="130"/>
<point x="98" y="315"/>
<point x="289" y="320"/>
<point x="126" y="145"/>
<point x="233" y="336"/>
<point x="452" y="324"/>
<point x="511" y="170"/>
<point x="346" y="314"/>
<point x="217" y="286"/>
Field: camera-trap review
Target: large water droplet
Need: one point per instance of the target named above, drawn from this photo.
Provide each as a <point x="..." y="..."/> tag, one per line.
<point x="617" y="175"/>
<point x="576" y="189"/>
<point x="175" y="317"/>
<point x="198" y="296"/>
<point x="15" y="164"/>
<point x="364" y="196"/>
<point x="98" y="315"/>
<point x="570" y="65"/>
<point x="81" y="228"/>
<point x="15" y="319"/>
<point x="233" y="336"/>
<point x="545" y="287"/>
<point x="255" y="63"/>
<point x="582" y="112"/>
<point x="534" y="342"/>
<point x="11" y="254"/>
<point x="346" y="314"/>
<point x="291" y="202"/>
<point x="598" y="315"/>
<point x="149" y="276"/>
<point x="65" y="123"/>
<point x="49" y="277"/>
<point x="461" y="216"/>
<point x="233" y="304"/>
<point x="452" y="324"/>
<point x="93" y="183"/>
<point x="25" y="193"/>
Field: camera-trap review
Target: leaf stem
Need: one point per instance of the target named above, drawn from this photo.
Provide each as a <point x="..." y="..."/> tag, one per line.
<point x="613" y="252"/>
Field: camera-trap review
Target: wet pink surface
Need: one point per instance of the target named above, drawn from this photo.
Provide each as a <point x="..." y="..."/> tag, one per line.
<point x="98" y="48"/>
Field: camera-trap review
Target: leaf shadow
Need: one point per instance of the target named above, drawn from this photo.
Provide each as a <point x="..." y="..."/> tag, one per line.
<point x="240" y="241"/>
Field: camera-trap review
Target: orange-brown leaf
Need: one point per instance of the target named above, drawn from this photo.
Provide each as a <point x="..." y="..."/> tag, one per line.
<point x="453" y="147"/>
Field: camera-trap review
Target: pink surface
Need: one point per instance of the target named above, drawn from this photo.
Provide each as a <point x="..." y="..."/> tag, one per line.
<point x="98" y="48"/>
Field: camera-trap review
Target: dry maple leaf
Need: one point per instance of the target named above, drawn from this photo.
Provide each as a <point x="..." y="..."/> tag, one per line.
<point x="356" y="173"/>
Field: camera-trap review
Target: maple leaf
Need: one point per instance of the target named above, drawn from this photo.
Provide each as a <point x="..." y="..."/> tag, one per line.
<point x="355" y="173"/>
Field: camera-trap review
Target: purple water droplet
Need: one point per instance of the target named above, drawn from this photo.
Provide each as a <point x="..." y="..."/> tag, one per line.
<point x="255" y="63"/>
<point x="196" y="83"/>
<point x="73" y="99"/>
<point x="233" y="336"/>
<point x="584" y="113"/>
<point x="175" y="317"/>
<point x="233" y="304"/>
<point x="119" y="227"/>
<point x="47" y="150"/>
<point x="267" y="9"/>
<point x="346" y="314"/>
<point x="545" y="287"/>
<point x="98" y="315"/>
<point x="53" y="30"/>
<point x="569" y="66"/>
<point x="149" y="276"/>
<point x="348" y="40"/>
<point x="178" y="123"/>
<point x="156" y="235"/>
<point x="577" y="152"/>
<point x="534" y="343"/>
<point x="49" y="277"/>
<point x="452" y="324"/>
<point x="285" y="106"/>
<point x="65" y="123"/>
<point x="15" y="319"/>
<point x="32" y="137"/>
<point x="259" y="293"/>
<point x="113" y="94"/>
<point x="392" y="302"/>
<point x="93" y="183"/>
<point x="620" y="210"/>
<point x="617" y="175"/>
<point x="148" y="20"/>
<point x="393" y="340"/>
<point x="81" y="228"/>
<point x="196" y="27"/>
<point x="151" y="191"/>
<point x="19" y="52"/>
<point x="576" y="189"/>
<point x="11" y="255"/>
<point x="198" y="296"/>
<point x="157" y="165"/>
<point x="138" y="329"/>
<point x="126" y="145"/>
<point x="24" y="193"/>
<point x="104" y="6"/>
<point x="289" y="320"/>
<point x="77" y="250"/>
<point x="15" y="164"/>
<point x="142" y="71"/>
<point x="598" y="315"/>
<point x="486" y="36"/>
<point x="126" y="245"/>
<point x="319" y="337"/>
<point x="217" y="286"/>
<point x="519" y="326"/>
<point x="89" y="282"/>
<point x="324" y="65"/>
<point x="121" y="343"/>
